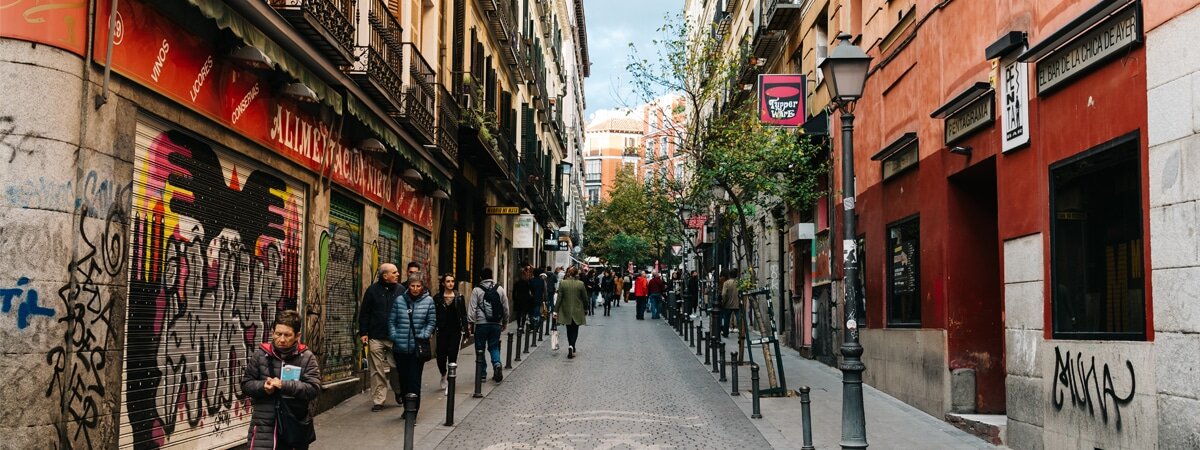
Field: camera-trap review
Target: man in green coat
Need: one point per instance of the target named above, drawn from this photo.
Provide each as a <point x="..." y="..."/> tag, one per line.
<point x="569" y="310"/>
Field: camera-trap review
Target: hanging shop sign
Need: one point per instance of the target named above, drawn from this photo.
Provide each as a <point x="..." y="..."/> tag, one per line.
<point x="781" y="100"/>
<point x="502" y="210"/>
<point x="1014" y="108"/>
<point x="523" y="231"/>
<point x="971" y="118"/>
<point x="1106" y="40"/>
<point x="156" y="52"/>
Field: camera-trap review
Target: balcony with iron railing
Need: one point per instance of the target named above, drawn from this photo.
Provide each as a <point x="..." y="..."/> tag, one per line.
<point x="781" y="14"/>
<point x="419" y="107"/>
<point x="504" y="30"/>
<point x="448" y="120"/>
<point x="378" y="56"/>
<point x="328" y="24"/>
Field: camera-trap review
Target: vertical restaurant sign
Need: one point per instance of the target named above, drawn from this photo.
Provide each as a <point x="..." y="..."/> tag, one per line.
<point x="523" y="231"/>
<point x="1014" y="103"/>
<point x="61" y="24"/>
<point x="159" y="54"/>
<point x="781" y="100"/>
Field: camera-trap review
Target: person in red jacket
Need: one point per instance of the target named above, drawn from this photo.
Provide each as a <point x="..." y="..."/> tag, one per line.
<point x="640" y="292"/>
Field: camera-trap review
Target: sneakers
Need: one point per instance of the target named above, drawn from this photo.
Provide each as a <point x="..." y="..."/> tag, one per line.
<point x="499" y="375"/>
<point x="377" y="408"/>
<point x="443" y="383"/>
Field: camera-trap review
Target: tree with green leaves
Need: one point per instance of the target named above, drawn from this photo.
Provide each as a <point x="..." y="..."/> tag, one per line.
<point x="718" y="128"/>
<point x="635" y="216"/>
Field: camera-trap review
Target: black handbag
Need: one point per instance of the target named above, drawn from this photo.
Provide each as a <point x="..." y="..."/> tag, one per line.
<point x="424" y="351"/>
<point x="295" y="423"/>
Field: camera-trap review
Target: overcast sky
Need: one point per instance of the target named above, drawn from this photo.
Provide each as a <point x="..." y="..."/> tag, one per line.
<point x="611" y="26"/>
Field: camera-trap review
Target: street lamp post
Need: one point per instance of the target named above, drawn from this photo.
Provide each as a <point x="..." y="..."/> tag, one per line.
<point x="845" y="73"/>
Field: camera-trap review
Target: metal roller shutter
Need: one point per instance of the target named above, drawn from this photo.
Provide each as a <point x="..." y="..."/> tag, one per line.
<point x="343" y="280"/>
<point x="215" y="253"/>
<point x="389" y="243"/>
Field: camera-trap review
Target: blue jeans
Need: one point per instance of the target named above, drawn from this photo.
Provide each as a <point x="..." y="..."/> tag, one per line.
<point x="654" y="299"/>
<point x="489" y="334"/>
<point x="727" y="317"/>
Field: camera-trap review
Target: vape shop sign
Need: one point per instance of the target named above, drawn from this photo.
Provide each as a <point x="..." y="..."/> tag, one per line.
<point x="781" y="100"/>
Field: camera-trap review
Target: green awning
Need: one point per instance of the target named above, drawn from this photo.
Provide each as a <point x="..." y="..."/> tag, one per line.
<point x="227" y="18"/>
<point x="393" y="141"/>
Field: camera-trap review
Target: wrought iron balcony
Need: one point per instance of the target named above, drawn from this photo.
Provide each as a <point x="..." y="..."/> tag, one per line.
<point x="419" y="109"/>
<point x="781" y="14"/>
<point x="501" y="24"/>
<point x="326" y="24"/>
<point x="448" y="117"/>
<point x="378" y="56"/>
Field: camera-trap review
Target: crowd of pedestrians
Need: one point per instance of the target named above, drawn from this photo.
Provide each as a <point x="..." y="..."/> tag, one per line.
<point x="403" y="325"/>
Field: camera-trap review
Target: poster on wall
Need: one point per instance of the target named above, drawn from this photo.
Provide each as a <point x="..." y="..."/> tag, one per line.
<point x="781" y="100"/>
<point x="903" y="273"/>
<point x="421" y="254"/>
<point x="523" y="231"/>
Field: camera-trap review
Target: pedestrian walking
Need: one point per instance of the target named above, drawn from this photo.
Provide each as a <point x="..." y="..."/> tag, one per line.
<point x="639" y="295"/>
<point x="691" y="292"/>
<point x="731" y="305"/>
<point x="522" y="294"/>
<point x="451" y="323"/>
<point x="488" y="317"/>
<point x="537" y="286"/>
<point x="572" y="293"/>
<point x="655" y="288"/>
<point x="373" y="330"/>
<point x="619" y="286"/>
<point x="413" y="319"/>
<point x="589" y="282"/>
<point x="281" y="378"/>
<point x="607" y="288"/>
<point x="413" y="270"/>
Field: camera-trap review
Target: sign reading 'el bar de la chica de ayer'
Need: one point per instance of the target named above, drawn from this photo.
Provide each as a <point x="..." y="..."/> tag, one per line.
<point x="1117" y="33"/>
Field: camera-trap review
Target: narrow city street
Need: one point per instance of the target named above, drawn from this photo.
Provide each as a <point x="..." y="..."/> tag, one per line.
<point x="634" y="384"/>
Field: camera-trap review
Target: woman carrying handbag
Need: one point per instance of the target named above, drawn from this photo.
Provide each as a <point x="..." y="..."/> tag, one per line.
<point x="281" y="377"/>
<point x="411" y="324"/>
<point x="451" y="322"/>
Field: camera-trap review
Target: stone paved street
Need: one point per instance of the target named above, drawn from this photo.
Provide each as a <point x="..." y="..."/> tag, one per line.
<point x="633" y="385"/>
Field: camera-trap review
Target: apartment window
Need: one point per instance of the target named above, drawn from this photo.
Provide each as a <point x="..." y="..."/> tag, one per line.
<point x="650" y="150"/>
<point x="1096" y="245"/>
<point x="679" y="170"/>
<point x="821" y="28"/>
<point x="593" y="196"/>
<point x="593" y="170"/>
<point x="904" y="274"/>
<point x="663" y="146"/>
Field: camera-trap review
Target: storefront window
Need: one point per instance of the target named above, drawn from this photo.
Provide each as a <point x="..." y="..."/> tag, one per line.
<point x="1096" y="245"/>
<point x="904" y="274"/>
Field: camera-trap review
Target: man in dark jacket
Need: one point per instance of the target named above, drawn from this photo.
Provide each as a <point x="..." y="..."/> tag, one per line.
<point x="691" y="292"/>
<point x="537" y="286"/>
<point x="522" y="295"/>
<point x="655" y="288"/>
<point x="373" y="329"/>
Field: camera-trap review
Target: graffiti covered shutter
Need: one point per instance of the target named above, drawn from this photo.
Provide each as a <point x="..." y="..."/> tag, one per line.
<point x="389" y="242"/>
<point x="342" y="289"/>
<point x="215" y="246"/>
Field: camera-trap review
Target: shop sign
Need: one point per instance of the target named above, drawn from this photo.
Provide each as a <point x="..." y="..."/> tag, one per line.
<point x="1121" y="31"/>
<point x="502" y="210"/>
<point x="161" y="55"/>
<point x="781" y="100"/>
<point x="523" y="231"/>
<point x="1014" y="110"/>
<point x="971" y="118"/>
<point x="697" y="222"/>
<point x="58" y="24"/>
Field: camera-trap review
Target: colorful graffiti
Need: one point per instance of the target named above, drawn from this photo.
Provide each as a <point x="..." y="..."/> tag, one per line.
<point x="342" y="270"/>
<point x="1072" y="374"/>
<point x="215" y="251"/>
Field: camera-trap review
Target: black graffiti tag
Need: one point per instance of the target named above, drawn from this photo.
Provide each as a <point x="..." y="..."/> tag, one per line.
<point x="1080" y="379"/>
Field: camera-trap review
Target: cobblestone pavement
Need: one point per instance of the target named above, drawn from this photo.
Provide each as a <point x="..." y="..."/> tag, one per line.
<point x="633" y="385"/>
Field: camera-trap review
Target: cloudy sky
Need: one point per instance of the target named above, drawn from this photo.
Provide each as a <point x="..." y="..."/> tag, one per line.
<point x="611" y="26"/>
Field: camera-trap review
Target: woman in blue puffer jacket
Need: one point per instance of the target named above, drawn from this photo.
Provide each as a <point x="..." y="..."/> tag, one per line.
<point x="413" y="317"/>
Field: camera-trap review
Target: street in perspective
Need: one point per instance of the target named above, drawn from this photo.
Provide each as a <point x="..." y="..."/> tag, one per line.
<point x="600" y="224"/>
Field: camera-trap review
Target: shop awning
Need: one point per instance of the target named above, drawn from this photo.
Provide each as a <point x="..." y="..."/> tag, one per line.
<point x="227" y="18"/>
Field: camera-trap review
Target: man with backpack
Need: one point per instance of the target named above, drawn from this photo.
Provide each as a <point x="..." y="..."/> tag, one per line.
<point x="488" y="317"/>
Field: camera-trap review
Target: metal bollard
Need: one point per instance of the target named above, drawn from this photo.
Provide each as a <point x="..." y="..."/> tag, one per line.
<point x="520" y="331"/>
<point x="479" y="374"/>
<point x="722" y="352"/>
<point x="451" y="375"/>
<point x="734" y="385"/>
<point x="410" y="419"/>
<point x="705" y="343"/>
<point x="756" y="411"/>
<point x="528" y="337"/>
<point x="533" y="335"/>
<point x="508" y="358"/>
<point x="696" y="335"/>
<point x="716" y="341"/>
<point x="806" y="415"/>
